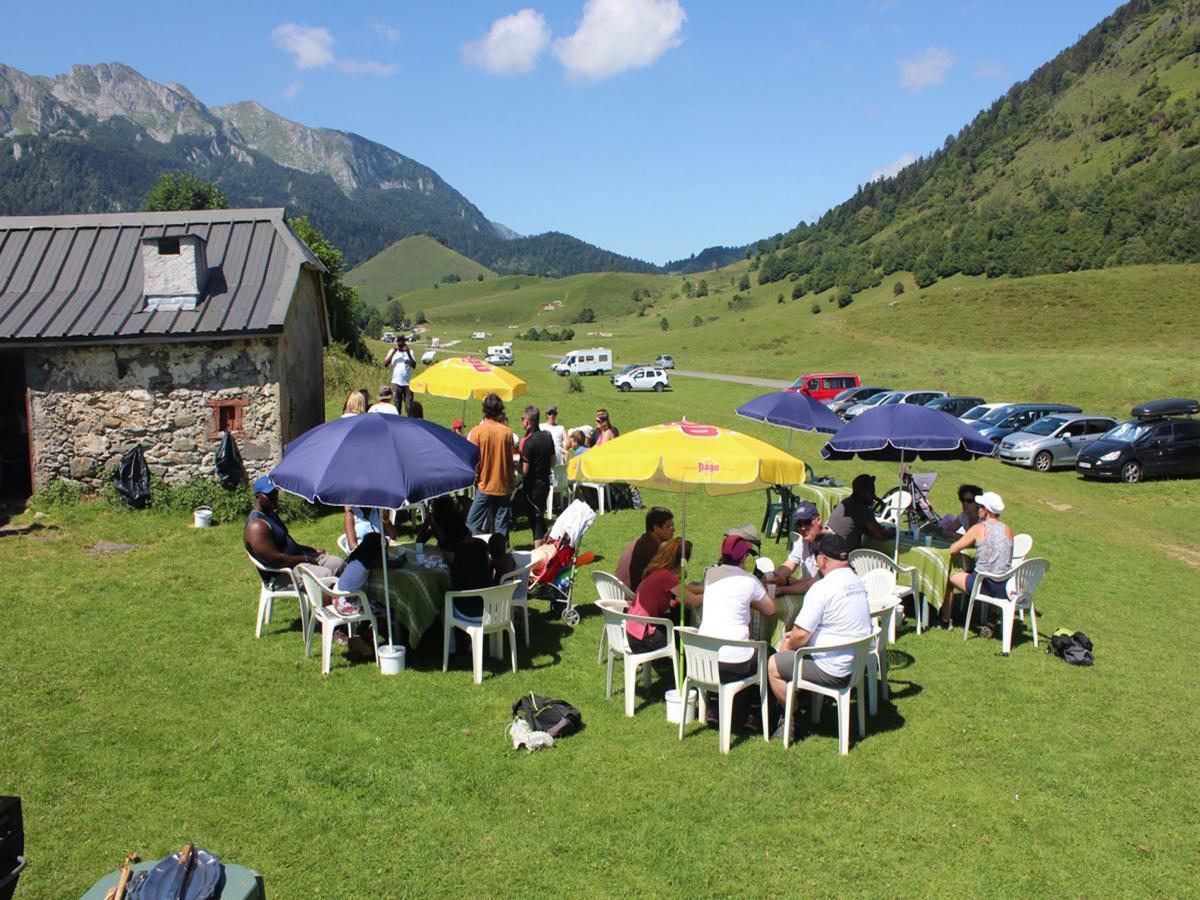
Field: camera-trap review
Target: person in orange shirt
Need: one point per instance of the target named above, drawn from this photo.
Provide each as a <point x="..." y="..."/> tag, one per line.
<point x="495" y="477"/>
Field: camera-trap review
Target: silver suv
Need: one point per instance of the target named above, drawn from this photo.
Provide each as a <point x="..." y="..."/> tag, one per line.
<point x="1054" y="440"/>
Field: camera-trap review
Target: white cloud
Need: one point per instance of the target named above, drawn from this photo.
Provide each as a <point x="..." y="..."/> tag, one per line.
<point x="511" y="46"/>
<point x="926" y="69"/>
<point x="366" y="67"/>
<point x="986" y="68"/>
<point x="615" y="35"/>
<point x="293" y="89"/>
<point x="389" y="33"/>
<point x="893" y="167"/>
<point x="312" y="47"/>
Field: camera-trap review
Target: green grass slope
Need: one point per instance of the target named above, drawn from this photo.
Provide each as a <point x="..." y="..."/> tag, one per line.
<point x="414" y="262"/>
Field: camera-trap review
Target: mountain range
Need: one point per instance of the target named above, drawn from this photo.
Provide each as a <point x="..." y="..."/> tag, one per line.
<point x="95" y="140"/>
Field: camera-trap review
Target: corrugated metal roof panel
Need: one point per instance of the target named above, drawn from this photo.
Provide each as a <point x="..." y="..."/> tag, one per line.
<point x="79" y="278"/>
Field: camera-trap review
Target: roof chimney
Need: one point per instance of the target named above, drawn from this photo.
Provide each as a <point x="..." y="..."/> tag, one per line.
<point x="174" y="270"/>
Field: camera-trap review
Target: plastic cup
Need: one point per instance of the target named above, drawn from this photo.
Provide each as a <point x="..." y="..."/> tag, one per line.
<point x="929" y="540"/>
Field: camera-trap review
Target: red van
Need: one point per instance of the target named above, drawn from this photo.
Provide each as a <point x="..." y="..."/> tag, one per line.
<point x="824" y="386"/>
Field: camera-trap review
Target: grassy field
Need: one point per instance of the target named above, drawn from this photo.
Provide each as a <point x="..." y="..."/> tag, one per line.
<point x="414" y="262"/>
<point x="140" y="712"/>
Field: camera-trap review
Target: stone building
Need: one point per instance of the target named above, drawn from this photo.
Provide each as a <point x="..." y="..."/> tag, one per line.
<point x="155" y="328"/>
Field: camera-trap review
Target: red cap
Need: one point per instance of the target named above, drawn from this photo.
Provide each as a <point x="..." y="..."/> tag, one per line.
<point x="457" y="423"/>
<point x="735" y="548"/>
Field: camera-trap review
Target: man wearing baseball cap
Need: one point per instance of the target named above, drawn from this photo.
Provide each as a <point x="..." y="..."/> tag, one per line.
<point x="835" y="611"/>
<point x="993" y="543"/>
<point x="268" y="541"/>
<point x="557" y="432"/>
<point x="806" y="522"/>
<point x="853" y="517"/>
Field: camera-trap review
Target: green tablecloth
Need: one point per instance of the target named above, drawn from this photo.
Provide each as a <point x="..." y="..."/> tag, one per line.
<point x="416" y="595"/>
<point x="240" y="883"/>
<point x="933" y="564"/>
<point x="826" y="498"/>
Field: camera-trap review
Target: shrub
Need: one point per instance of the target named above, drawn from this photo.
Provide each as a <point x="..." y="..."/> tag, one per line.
<point x="898" y="288"/>
<point x="574" y="385"/>
<point x="844" y="297"/>
<point x="57" y="494"/>
<point x="797" y="292"/>
<point x="664" y="324"/>
<point x="816" y="308"/>
<point x="697" y="321"/>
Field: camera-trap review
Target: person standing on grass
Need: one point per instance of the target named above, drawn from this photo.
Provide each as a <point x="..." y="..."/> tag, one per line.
<point x="557" y="432"/>
<point x="537" y="461"/>
<point x="660" y="526"/>
<point x="494" y="476"/>
<point x="401" y="361"/>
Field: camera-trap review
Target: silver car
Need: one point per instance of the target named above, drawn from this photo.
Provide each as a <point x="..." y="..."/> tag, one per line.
<point x="1054" y="440"/>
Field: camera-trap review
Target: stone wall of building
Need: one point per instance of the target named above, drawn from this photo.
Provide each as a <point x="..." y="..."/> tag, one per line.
<point x="88" y="405"/>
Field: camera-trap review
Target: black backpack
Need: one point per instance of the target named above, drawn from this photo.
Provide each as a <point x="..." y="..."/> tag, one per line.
<point x="1074" y="647"/>
<point x="557" y="718"/>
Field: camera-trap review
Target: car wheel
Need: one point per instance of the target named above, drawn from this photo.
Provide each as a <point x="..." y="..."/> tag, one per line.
<point x="626" y="388"/>
<point x="1131" y="472"/>
<point x="1043" y="461"/>
<point x="658" y="387"/>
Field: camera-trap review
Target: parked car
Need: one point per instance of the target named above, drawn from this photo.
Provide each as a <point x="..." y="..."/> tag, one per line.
<point x="978" y="412"/>
<point x="954" y="406"/>
<point x="593" y="361"/>
<point x="1003" y="421"/>
<point x="843" y="400"/>
<point x="824" y="386"/>
<point x="479" y="335"/>
<point x="1156" y="441"/>
<point x="642" y="378"/>
<point x="916" y="398"/>
<point x="663" y="361"/>
<point x="625" y="370"/>
<point x="389" y="337"/>
<point x="870" y="403"/>
<point x="1054" y="440"/>
<point x="500" y="355"/>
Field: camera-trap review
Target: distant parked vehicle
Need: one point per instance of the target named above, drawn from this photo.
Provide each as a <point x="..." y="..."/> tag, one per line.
<point x="954" y="406"/>
<point x="626" y="370"/>
<point x="501" y="355"/>
<point x="843" y="400"/>
<point x="593" y="361"/>
<point x="479" y="335"/>
<point x="642" y="378"/>
<point x="978" y="412"/>
<point x="429" y="357"/>
<point x="870" y="403"/>
<point x="1157" y="441"/>
<point x="1054" y="440"/>
<point x="389" y="337"/>
<point x="663" y="361"/>
<point x="1000" y="423"/>
<point x="916" y="398"/>
<point x="824" y="386"/>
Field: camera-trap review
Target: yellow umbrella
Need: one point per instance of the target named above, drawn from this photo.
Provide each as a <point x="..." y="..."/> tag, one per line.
<point x="464" y="377"/>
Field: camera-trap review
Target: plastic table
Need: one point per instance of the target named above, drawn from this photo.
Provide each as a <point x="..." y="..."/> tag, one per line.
<point x="240" y="883"/>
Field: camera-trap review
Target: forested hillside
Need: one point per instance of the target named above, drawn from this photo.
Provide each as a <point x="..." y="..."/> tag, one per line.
<point x="1094" y="161"/>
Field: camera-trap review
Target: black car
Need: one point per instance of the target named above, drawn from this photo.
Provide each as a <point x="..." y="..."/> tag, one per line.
<point x="1156" y="441"/>
<point x="853" y="395"/>
<point x="954" y="406"/>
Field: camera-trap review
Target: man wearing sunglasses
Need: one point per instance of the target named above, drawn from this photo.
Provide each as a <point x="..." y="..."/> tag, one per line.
<point x="806" y="523"/>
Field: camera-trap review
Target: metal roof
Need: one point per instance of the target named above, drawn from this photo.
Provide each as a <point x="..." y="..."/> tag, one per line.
<point x="78" y="279"/>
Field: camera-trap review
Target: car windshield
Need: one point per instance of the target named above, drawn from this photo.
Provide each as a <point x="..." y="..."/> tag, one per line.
<point x="1126" y="433"/>
<point x="846" y="394"/>
<point x="997" y="415"/>
<point x="891" y="399"/>
<point x="1046" y="426"/>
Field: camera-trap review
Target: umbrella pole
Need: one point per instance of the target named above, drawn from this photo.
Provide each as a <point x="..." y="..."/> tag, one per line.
<point x="683" y="567"/>
<point x="387" y="595"/>
<point x="900" y="476"/>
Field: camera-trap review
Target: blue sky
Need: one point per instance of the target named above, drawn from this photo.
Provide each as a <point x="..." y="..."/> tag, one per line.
<point x="653" y="128"/>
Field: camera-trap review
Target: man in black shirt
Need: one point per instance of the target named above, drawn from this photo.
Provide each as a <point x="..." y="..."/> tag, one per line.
<point x="853" y="517"/>
<point x="537" y="460"/>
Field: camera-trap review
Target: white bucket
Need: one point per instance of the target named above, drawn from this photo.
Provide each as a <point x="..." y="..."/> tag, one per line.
<point x="672" y="697"/>
<point x="391" y="659"/>
<point x="202" y="517"/>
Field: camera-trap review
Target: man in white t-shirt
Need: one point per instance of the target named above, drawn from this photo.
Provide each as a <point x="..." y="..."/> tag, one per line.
<point x="385" y="404"/>
<point x="401" y="361"/>
<point x="835" y="611"/>
<point x="557" y="432"/>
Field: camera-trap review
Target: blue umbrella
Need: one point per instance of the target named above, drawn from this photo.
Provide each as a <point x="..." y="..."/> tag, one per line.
<point x="377" y="461"/>
<point x="791" y="409"/>
<point x="905" y="431"/>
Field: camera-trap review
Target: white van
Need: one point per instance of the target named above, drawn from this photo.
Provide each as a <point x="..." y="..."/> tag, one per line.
<point x="595" y="361"/>
<point x="500" y="355"/>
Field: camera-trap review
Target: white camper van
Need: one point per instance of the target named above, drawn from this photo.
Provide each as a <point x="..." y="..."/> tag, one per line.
<point x="500" y="355"/>
<point x="595" y="361"/>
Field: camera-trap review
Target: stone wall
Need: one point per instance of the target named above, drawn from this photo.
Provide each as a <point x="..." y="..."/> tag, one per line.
<point x="88" y="405"/>
<point x="302" y="359"/>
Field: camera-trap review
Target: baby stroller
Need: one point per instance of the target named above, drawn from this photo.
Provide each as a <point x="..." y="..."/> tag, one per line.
<point x="556" y="577"/>
<point x="920" y="511"/>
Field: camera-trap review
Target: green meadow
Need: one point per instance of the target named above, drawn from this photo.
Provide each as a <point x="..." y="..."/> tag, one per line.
<point x="140" y="712"/>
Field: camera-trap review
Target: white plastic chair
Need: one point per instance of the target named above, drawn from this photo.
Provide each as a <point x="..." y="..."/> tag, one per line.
<point x="601" y="493"/>
<point x="883" y="605"/>
<point x="1019" y="584"/>
<point x="618" y="644"/>
<point x="496" y="619"/>
<point x="862" y="649"/>
<point x="610" y="588"/>
<point x="864" y="561"/>
<point x="520" y="598"/>
<point x="559" y="487"/>
<point x="315" y="587"/>
<point x="267" y="594"/>
<point x="893" y="505"/>
<point x="701" y="671"/>
<point x="1022" y="545"/>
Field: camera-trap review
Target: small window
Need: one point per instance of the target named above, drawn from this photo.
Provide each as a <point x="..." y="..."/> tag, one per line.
<point x="227" y="414"/>
<point x="168" y="246"/>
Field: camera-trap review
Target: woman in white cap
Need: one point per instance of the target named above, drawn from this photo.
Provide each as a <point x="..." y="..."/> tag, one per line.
<point x="993" y="543"/>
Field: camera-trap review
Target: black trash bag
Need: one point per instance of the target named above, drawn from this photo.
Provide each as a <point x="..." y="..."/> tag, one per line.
<point x="230" y="471"/>
<point x="133" y="478"/>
